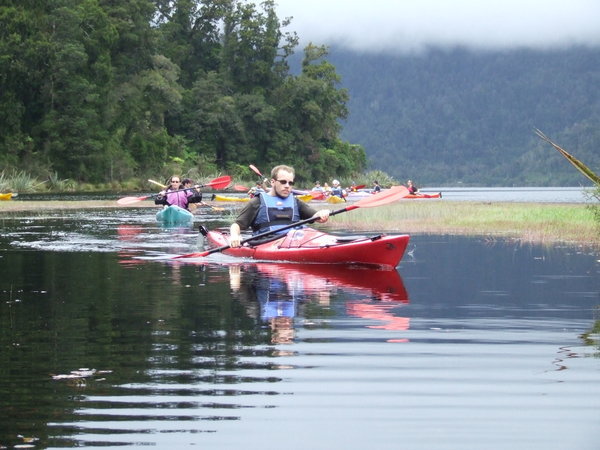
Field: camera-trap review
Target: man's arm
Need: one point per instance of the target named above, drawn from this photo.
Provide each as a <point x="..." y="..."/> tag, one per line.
<point x="243" y="221"/>
<point x="307" y="212"/>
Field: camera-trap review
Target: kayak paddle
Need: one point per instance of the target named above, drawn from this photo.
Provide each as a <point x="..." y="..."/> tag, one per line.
<point x="157" y="183"/>
<point x="389" y="196"/>
<point x="217" y="183"/>
<point x="255" y="170"/>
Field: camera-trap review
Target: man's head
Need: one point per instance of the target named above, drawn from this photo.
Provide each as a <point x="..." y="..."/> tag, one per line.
<point x="282" y="180"/>
<point x="335" y="183"/>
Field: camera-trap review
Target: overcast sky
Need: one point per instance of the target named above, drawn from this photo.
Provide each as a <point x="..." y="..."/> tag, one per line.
<point x="411" y="25"/>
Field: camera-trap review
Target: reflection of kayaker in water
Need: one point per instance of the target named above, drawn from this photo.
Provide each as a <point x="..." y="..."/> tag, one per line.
<point x="274" y="209"/>
<point x="277" y="302"/>
<point x="275" y="294"/>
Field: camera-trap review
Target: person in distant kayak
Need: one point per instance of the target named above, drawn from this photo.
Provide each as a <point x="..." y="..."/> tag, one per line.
<point x="376" y="187"/>
<point x="336" y="189"/>
<point x="412" y="189"/>
<point x="176" y="194"/>
<point x="274" y="209"/>
<point x="317" y="187"/>
<point x="256" y="189"/>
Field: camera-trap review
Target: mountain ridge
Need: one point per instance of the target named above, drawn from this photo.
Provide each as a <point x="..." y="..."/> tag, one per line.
<point x="461" y="117"/>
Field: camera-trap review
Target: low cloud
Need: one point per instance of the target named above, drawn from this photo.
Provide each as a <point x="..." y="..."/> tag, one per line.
<point x="413" y="25"/>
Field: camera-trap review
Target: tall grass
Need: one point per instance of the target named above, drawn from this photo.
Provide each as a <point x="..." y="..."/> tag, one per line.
<point x="19" y="181"/>
<point x="57" y="184"/>
<point x="530" y="222"/>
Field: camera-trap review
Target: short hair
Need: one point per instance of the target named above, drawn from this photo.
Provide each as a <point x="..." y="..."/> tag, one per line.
<point x="186" y="180"/>
<point x="276" y="170"/>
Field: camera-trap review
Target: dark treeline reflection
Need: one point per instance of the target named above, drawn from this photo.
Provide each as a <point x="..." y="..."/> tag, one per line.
<point x="77" y="327"/>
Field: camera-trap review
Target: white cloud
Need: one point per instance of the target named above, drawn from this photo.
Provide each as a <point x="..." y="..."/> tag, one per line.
<point x="409" y="25"/>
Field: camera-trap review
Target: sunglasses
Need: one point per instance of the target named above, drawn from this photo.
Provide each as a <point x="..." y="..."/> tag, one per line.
<point x="175" y="181"/>
<point x="284" y="182"/>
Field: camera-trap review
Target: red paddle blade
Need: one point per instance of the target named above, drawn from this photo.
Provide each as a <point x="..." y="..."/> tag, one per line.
<point x="383" y="198"/>
<point x="131" y="200"/>
<point x="255" y="170"/>
<point x="219" y="183"/>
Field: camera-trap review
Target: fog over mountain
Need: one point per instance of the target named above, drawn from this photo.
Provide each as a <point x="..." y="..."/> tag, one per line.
<point x="410" y="26"/>
<point x="450" y="92"/>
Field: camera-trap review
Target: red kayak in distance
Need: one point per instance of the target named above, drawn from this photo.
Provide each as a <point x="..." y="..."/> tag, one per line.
<point x="424" y="195"/>
<point x="307" y="245"/>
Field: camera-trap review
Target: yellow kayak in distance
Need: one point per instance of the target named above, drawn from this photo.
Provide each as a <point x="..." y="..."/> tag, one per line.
<point x="225" y="198"/>
<point x="6" y="196"/>
<point x="335" y="199"/>
<point x="305" y="197"/>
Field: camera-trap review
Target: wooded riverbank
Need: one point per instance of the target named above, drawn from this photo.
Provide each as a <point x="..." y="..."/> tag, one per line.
<point x="530" y="222"/>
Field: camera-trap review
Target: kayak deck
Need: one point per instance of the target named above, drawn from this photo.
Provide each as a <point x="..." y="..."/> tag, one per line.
<point x="308" y="245"/>
<point x="174" y="214"/>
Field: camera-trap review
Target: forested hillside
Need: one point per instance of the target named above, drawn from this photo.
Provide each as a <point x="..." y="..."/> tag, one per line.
<point x="446" y="117"/>
<point x="97" y="90"/>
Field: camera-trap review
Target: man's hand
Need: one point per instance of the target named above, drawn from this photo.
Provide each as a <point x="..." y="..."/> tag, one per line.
<point x="235" y="237"/>
<point x="322" y="215"/>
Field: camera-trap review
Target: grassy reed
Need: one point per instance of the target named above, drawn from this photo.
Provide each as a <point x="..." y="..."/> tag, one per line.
<point x="534" y="222"/>
<point x="18" y="182"/>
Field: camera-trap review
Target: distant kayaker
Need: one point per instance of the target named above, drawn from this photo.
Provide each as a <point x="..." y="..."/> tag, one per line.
<point x="376" y="187"/>
<point x="274" y="209"/>
<point x="176" y="195"/>
<point x="412" y="189"/>
<point x="337" y="190"/>
<point x="317" y="187"/>
<point x="256" y="189"/>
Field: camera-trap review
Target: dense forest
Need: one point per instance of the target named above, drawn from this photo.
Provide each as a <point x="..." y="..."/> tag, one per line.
<point x="97" y="90"/>
<point x="106" y="90"/>
<point x="451" y="117"/>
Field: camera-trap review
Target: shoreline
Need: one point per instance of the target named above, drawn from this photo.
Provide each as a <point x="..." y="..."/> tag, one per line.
<point x="541" y="223"/>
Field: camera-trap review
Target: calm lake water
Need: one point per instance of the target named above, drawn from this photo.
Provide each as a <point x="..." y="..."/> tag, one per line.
<point x="469" y="344"/>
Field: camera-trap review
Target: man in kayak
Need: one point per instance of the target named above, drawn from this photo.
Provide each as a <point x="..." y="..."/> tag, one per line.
<point x="176" y="195"/>
<point x="274" y="209"/>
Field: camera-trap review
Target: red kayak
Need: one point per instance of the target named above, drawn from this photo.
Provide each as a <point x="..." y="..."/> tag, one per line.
<point x="423" y="195"/>
<point x="308" y="245"/>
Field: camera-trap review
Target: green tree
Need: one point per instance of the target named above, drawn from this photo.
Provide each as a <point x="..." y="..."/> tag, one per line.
<point x="310" y="107"/>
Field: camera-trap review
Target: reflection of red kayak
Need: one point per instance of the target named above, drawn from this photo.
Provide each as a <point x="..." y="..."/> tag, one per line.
<point x="386" y="285"/>
<point x="313" y="246"/>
